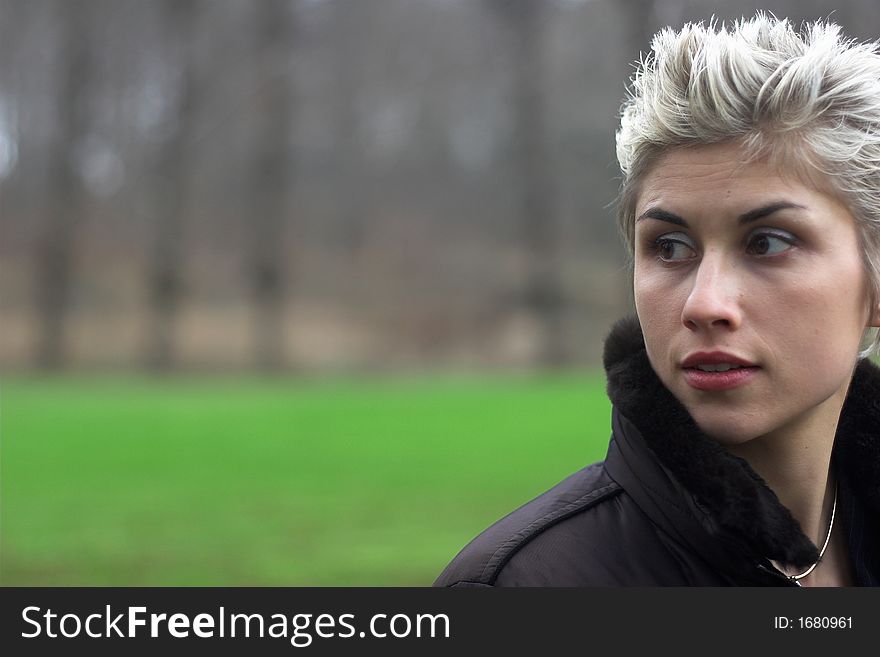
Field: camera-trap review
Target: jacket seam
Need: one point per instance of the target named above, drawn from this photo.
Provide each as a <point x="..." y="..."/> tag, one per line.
<point x="501" y="555"/>
<point x="466" y="583"/>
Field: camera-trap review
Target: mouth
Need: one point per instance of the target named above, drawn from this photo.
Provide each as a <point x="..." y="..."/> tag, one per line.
<point x="717" y="371"/>
<point x="719" y="367"/>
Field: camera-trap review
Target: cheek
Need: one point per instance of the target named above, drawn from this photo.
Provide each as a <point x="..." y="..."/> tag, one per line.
<point x="657" y="295"/>
<point x="825" y="313"/>
<point x="659" y="313"/>
<point x="644" y="287"/>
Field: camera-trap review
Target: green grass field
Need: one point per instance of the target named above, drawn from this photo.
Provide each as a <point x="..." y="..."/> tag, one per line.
<point x="115" y="481"/>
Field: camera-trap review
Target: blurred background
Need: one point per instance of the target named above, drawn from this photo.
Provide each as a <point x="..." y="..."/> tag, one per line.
<point x="305" y="292"/>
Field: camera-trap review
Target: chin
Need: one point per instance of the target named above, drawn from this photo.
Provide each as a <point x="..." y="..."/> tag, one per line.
<point x="728" y="431"/>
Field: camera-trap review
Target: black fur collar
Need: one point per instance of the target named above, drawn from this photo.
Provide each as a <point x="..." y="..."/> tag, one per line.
<point x="732" y="493"/>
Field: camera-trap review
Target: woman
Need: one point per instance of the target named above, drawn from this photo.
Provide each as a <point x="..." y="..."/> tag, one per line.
<point x="746" y="422"/>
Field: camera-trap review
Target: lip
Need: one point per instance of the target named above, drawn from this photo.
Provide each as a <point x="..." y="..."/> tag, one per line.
<point x="714" y="358"/>
<point x="717" y="380"/>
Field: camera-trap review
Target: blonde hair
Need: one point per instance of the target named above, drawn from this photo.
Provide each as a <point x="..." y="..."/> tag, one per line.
<point x="805" y="96"/>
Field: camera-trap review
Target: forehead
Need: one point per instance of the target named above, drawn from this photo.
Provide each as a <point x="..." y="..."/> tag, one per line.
<point x="722" y="175"/>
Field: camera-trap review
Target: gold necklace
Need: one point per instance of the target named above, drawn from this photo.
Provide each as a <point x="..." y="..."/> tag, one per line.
<point x="795" y="578"/>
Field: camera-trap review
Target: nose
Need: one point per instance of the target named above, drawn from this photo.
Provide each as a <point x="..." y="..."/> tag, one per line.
<point x="713" y="299"/>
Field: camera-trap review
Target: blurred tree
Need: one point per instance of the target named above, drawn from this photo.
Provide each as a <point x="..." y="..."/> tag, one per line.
<point x="355" y="204"/>
<point x="542" y="295"/>
<point x="394" y="120"/>
<point x="271" y="176"/>
<point x="67" y="198"/>
<point x="641" y="21"/>
<point x="170" y="189"/>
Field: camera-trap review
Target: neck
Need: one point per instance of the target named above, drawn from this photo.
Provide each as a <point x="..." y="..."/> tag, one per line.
<point x="759" y="509"/>
<point x="795" y="461"/>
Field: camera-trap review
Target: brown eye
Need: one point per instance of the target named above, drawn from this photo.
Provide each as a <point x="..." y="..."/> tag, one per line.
<point x="767" y="244"/>
<point x="673" y="250"/>
<point x="667" y="250"/>
<point x="760" y="245"/>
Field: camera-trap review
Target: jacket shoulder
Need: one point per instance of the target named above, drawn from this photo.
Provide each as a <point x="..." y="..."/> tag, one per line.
<point x="481" y="561"/>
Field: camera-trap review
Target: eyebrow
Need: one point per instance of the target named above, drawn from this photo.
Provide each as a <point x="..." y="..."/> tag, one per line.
<point x="745" y="218"/>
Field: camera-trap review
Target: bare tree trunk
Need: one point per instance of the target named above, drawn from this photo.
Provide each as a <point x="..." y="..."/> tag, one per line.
<point x="640" y="17"/>
<point x="165" y="277"/>
<point x="543" y="295"/>
<point x="66" y="195"/>
<point x="271" y="174"/>
<point x="356" y="204"/>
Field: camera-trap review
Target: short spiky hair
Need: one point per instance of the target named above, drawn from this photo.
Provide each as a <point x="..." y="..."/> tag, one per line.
<point x="805" y="96"/>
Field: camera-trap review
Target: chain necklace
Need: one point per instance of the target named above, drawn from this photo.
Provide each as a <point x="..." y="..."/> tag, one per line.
<point x="795" y="578"/>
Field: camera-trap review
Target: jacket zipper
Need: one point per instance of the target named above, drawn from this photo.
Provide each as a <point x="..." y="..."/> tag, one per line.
<point x="776" y="573"/>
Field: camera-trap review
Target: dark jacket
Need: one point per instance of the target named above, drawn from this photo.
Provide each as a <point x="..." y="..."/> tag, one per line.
<point x="671" y="507"/>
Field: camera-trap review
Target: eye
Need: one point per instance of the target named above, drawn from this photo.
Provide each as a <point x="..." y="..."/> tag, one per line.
<point x="767" y="244"/>
<point x="674" y="247"/>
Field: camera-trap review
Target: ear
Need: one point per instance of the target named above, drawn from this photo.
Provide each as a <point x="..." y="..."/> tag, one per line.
<point x="874" y="319"/>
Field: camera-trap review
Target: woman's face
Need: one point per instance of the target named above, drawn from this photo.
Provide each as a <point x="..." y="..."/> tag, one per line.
<point x="750" y="291"/>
